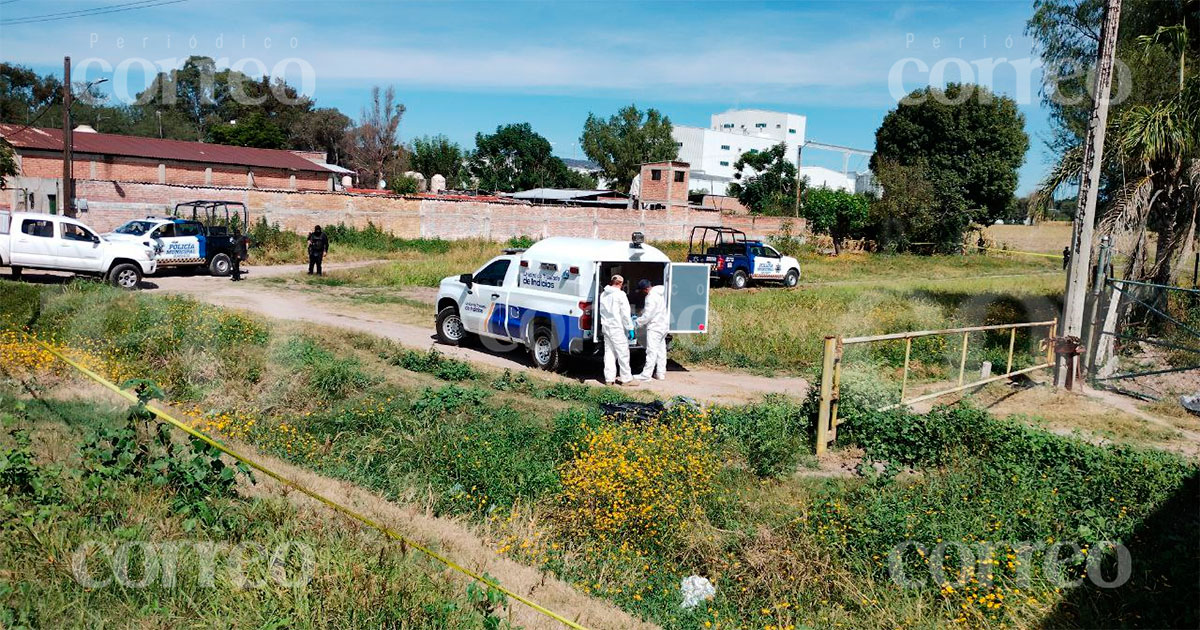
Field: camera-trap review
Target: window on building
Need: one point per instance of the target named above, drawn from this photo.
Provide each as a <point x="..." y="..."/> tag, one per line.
<point x="679" y="176"/>
<point x="40" y="228"/>
<point x="493" y="274"/>
<point x="777" y="125"/>
<point x="656" y="174"/>
<point x="752" y="151"/>
<point x="723" y="163"/>
<point x="761" y="125"/>
<point x="791" y="131"/>
<point x="728" y="125"/>
<point x="72" y="232"/>
<point x="724" y="147"/>
<point x="679" y="144"/>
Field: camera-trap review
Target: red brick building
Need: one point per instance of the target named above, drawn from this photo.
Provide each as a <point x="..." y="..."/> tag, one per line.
<point x="664" y="185"/>
<point x="116" y="158"/>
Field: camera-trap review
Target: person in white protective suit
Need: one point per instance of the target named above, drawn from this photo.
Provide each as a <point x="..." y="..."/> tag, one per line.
<point x="654" y="319"/>
<point x="616" y="323"/>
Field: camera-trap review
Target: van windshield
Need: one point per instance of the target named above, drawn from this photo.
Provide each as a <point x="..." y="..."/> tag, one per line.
<point x="135" y="228"/>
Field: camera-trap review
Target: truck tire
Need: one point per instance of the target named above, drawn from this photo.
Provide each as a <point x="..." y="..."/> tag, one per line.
<point x="16" y="274"/>
<point x="792" y="278"/>
<point x="450" y="329"/>
<point x="220" y="265"/>
<point x="739" y="279"/>
<point x="543" y="349"/>
<point x="125" y="276"/>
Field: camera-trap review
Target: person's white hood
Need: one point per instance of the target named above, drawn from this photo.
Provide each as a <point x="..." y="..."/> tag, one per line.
<point x="614" y="309"/>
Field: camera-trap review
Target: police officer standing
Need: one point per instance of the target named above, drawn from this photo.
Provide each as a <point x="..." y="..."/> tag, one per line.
<point x="239" y="254"/>
<point x="318" y="246"/>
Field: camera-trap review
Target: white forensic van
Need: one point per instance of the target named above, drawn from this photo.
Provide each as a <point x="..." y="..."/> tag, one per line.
<point x="545" y="297"/>
<point x="49" y="241"/>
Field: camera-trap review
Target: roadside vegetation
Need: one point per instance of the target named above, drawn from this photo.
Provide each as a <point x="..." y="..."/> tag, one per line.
<point x="776" y="329"/>
<point x="623" y="509"/>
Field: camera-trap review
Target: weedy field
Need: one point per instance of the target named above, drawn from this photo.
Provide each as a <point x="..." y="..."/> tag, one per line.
<point x="767" y="329"/>
<point x="621" y="509"/>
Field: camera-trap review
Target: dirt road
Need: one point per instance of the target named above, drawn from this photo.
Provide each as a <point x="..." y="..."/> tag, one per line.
<point x="712" y="386"/>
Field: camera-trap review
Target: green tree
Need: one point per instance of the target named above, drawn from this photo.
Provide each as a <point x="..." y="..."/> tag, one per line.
<point x="908" y="210"/>
<point x="1151" y="163"/>
<point x="438" y="155"/>
<point x="970" y="143"/>
<point x="254" y="131"/>
<point x="8" y="163"/>
<point x="628" y="139"/>
<point x="766" y="181"/>
<point x="518" y="158"/>
<point x="838" y="213"/>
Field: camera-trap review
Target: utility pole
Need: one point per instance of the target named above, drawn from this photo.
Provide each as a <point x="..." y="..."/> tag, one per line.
<point x="1067" y="347"/>
<point x="68" y="179"/>
<point x="799" y="179"/>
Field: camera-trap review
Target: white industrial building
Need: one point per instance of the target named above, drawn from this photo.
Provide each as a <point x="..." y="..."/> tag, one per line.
<point x="713" y="150"/>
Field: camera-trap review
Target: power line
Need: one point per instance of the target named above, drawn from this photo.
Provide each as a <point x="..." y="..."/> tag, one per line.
<point x="78" y="13"/>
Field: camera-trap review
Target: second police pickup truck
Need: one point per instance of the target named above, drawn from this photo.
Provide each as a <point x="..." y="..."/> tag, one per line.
<point x="203" y="241"/>
<point x="736" y="262"/>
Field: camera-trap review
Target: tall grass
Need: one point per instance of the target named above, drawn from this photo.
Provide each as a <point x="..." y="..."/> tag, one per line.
<point x="272" y="244"/>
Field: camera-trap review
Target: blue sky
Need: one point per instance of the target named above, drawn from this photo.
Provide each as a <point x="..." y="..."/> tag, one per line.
<point x="463" y="67"/>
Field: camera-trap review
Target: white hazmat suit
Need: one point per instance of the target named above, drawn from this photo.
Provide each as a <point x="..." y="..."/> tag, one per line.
<point x="615" y="324"/>
<point x="654" y="318"/>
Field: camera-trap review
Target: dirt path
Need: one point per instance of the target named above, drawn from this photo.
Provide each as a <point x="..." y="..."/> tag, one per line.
<point x="711" y="386"/>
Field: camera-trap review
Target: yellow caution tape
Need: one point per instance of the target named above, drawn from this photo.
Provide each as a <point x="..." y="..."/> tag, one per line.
<point x="389" y="532"/>
<point x="1016" y="251"/>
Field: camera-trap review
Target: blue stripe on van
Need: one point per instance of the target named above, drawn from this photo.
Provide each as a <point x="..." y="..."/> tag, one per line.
<point x="518" y="317"/>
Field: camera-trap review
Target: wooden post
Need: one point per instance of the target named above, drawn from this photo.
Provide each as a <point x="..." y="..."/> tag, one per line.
<point x="962" y="363"/>
<point x="1053" y="334"/>
<point x="824" y="411"/>
<point x="1012" y="342"/>
<point x="904" y="381"/>
<point x="837" y="391"/>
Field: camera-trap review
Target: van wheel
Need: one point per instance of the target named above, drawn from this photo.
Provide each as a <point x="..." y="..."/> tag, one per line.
<point x="543" y="349"/>
<point x="792" y="278"/>
<point x="739" y="279"/>
<point x="220" y="265"/>
<point x="450" y="329"/>
<point x="125" y="276"/>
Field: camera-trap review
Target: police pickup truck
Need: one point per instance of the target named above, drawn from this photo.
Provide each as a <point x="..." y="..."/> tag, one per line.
<point x="193" y="243"/>
<point x="735" y="261"/>
<point x="544" y="298"/>
<point x="57" y="243"/>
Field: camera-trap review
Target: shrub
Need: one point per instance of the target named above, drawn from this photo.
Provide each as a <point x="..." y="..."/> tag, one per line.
<point x="332" y="378"/>
<point x="521" y="242"/>
<point x="772" y="435"/>
<point x="639" y="483"/>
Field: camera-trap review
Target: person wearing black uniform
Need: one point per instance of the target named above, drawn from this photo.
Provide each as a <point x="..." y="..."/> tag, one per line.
<point x="239" y="254"/>
<point x="318" y="245"/>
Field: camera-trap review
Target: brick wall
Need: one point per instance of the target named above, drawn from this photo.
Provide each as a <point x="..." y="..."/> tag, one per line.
<point x="113" y="203"/>
<point x="131" y="169"/>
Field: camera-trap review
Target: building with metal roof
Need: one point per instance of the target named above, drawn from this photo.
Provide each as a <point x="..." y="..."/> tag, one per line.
<point x="118" y="158"/>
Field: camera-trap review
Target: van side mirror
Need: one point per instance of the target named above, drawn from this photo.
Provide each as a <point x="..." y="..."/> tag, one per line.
<point x="467" y="279"/>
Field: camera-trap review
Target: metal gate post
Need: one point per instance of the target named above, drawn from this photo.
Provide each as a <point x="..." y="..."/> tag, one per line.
<point x="824" y="413"/>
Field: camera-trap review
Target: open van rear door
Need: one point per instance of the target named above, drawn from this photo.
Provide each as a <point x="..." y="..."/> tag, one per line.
<point x="687" y="297"/>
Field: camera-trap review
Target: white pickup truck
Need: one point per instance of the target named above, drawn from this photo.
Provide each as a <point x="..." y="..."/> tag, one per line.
<point x="47" y="241"/>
